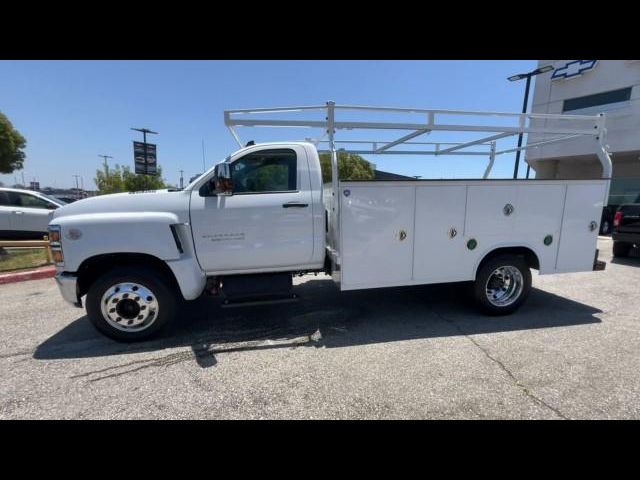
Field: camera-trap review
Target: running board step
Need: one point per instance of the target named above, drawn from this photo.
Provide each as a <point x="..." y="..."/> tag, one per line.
<point x="227" y="303"/>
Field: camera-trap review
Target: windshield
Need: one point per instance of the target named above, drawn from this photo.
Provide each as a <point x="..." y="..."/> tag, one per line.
<point x="54" y="199"/>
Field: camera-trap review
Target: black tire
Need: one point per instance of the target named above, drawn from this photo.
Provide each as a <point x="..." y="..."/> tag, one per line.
<point x="621" y="249"/>
<point x="485" y="273"/>
<point x="149" y="278"/>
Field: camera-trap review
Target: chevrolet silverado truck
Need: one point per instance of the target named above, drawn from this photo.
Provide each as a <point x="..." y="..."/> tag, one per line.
<point x="244" y="228"/>
<point x="626" y="229"/>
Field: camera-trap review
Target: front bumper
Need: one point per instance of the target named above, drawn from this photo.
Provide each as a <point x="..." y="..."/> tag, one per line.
<point x="68" y="285"/>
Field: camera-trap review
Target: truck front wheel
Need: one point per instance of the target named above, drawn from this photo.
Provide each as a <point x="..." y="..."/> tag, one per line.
<point x="131" y="304"/>
<point x="502" y="284"/>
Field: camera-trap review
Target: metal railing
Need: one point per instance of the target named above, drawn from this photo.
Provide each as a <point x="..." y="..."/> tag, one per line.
<point x="25" y="244"/>
<point x="563" y="126"/>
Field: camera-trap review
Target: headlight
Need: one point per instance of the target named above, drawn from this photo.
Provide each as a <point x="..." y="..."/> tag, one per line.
<point x="54" y="234"/>
<point x="55" y="246"/>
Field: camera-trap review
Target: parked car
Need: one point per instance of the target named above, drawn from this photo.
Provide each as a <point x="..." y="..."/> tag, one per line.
<point x="25" y="214"/>
<point x="626" y="228"/>
<point x="66" y="199"/>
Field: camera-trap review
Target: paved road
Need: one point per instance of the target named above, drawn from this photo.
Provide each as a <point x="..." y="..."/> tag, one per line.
<point x="573" y="351"/>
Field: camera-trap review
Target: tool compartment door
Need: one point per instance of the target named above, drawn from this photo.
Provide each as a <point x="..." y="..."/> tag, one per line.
<point x="583" y="205"/>
<point x="376" y="235"/>
<point x="439" y="251"/>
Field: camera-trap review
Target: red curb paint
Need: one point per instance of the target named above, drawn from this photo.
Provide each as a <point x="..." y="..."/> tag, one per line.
<point x="36" y="274"/>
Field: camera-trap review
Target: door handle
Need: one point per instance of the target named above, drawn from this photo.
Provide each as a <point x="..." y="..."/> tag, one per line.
<point x="294" y="205"/>
<point x="18" y="212"/>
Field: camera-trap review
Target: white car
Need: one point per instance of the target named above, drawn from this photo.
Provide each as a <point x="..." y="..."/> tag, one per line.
<point x="25" y="214"/>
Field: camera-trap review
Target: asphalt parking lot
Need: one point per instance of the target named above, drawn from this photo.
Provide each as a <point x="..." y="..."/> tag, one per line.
<point x="573" y="351"/>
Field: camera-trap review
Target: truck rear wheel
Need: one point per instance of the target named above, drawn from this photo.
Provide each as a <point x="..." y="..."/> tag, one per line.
<point x="621" y="249"/>
<point x="502" y="284"/>
<point x="131" y="304"/>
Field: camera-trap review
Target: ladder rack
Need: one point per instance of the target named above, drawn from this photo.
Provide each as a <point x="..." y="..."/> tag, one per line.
<point x="564" y="126"/>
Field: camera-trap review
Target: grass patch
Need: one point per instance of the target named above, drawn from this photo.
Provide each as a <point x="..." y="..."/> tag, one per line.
<point x="23" y="258"/>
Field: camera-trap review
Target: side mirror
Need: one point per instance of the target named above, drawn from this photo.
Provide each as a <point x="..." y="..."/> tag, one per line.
<point x="52" y="206"/>
<point x="223" y="185"/>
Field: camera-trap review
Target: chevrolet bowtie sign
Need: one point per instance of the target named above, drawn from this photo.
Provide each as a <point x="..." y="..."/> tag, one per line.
<point x="573" y="69"/>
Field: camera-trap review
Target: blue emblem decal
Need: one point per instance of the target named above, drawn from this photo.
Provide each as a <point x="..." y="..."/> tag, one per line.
<point x="573" y="69"/>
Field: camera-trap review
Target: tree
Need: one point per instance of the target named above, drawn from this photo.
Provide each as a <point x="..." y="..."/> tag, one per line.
<point x="134" y="182"/>
<point x="124" y="180"/>
<point x="11" y="146"/>
<point x="109" y="181"/>
<point x="350" y="167"/>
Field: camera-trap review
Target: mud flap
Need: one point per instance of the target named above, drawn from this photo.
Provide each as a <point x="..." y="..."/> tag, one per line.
<point x="598" y="265"/>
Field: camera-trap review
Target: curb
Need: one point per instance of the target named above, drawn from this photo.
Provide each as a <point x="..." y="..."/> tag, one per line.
<point x="36" y="274"/>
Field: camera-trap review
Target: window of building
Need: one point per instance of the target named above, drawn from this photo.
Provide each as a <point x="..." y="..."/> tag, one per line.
<point x="624" y="190"/>
<point x="605" y="98"/>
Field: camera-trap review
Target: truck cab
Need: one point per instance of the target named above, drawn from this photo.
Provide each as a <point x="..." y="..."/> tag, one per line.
<point x="270" y="218"/>
<point x="241" y="235"/>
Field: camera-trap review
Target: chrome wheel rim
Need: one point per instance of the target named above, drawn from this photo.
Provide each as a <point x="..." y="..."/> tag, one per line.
<point x="129" y="307"/>
<point x="504" y="286"/>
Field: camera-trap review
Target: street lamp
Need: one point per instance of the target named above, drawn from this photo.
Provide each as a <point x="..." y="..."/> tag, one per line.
<point x="528" y="76"/>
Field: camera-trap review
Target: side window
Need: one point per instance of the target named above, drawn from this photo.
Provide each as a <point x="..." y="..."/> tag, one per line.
<point x="4" y="199"/>
<point x="31" y="201"/>
<point x="265" y="171"/>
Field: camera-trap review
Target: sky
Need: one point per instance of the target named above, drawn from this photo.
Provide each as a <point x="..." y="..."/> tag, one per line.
<point x="72" y="111"/>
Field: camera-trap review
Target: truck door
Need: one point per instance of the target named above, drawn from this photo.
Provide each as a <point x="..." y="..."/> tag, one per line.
<point x="266" y="223"/>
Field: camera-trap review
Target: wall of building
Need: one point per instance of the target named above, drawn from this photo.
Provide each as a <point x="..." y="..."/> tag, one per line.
<point x="576" y="158"/>
<point x="622" y="118"/>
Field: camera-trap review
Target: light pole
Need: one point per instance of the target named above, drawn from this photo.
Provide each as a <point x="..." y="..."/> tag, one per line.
<point x="77" y="189"/>
<point x="528" y="76"/>
<point x="204" y="168"/>
<point x="106" y="165"/>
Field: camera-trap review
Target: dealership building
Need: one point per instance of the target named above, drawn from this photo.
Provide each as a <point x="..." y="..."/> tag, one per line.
<point x="590" y="87"/>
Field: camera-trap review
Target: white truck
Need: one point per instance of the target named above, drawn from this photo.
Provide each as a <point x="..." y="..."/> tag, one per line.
<point x="242" y="229"/>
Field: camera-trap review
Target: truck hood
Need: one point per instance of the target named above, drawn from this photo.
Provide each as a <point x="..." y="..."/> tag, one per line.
<point x="174" y="201"/>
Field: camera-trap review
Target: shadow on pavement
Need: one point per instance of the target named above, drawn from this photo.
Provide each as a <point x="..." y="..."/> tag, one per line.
<point x="633" y="260"/>
<point x="324" y="317"/>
